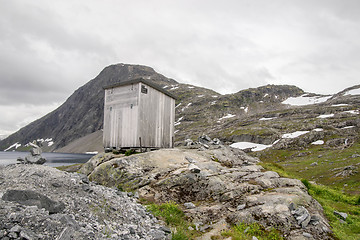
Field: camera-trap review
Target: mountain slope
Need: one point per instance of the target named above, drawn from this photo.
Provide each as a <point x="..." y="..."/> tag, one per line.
<point x="198" y="110"/>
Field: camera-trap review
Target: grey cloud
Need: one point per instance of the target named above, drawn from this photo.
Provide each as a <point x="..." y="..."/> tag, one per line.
<point x="50" y="48"/>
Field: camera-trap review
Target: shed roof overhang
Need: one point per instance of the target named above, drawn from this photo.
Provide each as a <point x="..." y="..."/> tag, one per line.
<point x="142" y="80"/>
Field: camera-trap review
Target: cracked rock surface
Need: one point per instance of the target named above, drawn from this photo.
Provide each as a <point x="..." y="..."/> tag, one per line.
<point x="40" y="202"/>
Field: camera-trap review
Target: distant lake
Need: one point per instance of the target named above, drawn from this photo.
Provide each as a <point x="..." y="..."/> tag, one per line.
<point x="52" y="159"/>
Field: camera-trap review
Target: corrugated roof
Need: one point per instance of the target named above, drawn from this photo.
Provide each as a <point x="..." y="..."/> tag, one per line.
<point x="142" y="80"/>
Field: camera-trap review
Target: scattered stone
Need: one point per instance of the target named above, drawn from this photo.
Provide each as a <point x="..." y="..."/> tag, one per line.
<point x="342" y="215"/>
<point x="254" y="238"/>
<point x="189" y="142"/>
<point x="193" y="168"/>
<point x="314" y="164"/>
<point x="216" y="141"/>
<point x="355" y="155"/>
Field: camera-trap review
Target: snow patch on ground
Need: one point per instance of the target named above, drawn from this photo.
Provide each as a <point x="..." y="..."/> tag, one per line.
<point x="189" y="104"/>
<point x="227" y="116"/>
<point x="353" y="92"/>
<point x="95" y="152"/>
<point x="294" y="134"/>
<point x="254" y="146"/>
<point x="173" y="87"/>
<point x="318" y="129"/>
<point x="348" y="127"/>
<point x="178" y="121"/>
<point x="326" y="115"/>
<point x="200" y="96"/>
<point x="260" y="147"/>
<point x="265" y="119"/>
<point x="213" y="103"/>
<point x="305" y="100"/>
<point x="191" y="87"/>
<point x="340" y="105"/>
<point x="318" y="142"/>
<point x="353" y="111"/>
<point x="245" y="109"/>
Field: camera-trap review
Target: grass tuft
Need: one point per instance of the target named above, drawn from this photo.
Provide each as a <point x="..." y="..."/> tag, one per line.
<point x="243" y="231"/>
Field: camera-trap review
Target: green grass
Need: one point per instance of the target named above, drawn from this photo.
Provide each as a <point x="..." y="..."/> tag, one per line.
<point x="332" y="200"/>
<point x="175" y="218"/>
<point x="243" y="231"/>
<point x="330" y="162"/>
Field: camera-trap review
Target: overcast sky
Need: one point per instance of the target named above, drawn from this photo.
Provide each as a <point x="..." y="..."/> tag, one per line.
<point x="50" y="48"/>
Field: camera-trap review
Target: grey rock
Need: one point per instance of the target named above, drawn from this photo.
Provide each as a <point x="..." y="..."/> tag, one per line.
<point x="13" y="235"/>
<point x="28" y="235"/>
<point x="189" y="205"/>
<point x="302" y="216"/>
<point x="16" y="229"/>
<point x="342" y="215"/>
<point x="307" y="235"/>
<point x="66" y="234"/>
<point x="55" y="184"/>
<point x="292" y="207"/>
<point x="241" y="207"/>
<point x="254" y="238"/>
<point x="157" y="234"/>
<point x="32" y="198"/>
<point x="314" y="164"/>
<point x="165" y="229"/>
<point x="189" y="159"/>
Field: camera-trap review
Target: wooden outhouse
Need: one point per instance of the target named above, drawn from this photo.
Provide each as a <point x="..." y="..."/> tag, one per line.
<point x="138" y="114"/>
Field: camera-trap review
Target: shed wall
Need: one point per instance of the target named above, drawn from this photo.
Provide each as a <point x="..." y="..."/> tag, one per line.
<point x="156" y="117"/>
<point x="121" y="116"/>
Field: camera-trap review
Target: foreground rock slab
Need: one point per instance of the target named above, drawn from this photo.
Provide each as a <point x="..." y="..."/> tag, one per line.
<point x="40" y="202"/>
<point x="228" y="186"/>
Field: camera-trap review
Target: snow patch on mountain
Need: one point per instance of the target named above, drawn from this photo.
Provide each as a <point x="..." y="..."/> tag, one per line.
<point x="253" y="146"/>
<point x="15" y="146"/>
<point x="294" y="134"/>
<point x="353" y="92"/>
<point x="305" y="100"/>
<point x="229" y="115"/>
<point x="266" y="119"/>
<point x="326" y="115"/>
<point x="318" y="142"/>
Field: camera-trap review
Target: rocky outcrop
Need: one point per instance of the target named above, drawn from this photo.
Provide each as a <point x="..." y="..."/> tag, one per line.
<point x="40" y="202"/>
<point x="35" y="155"/>
<point x="216" y="185"/>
